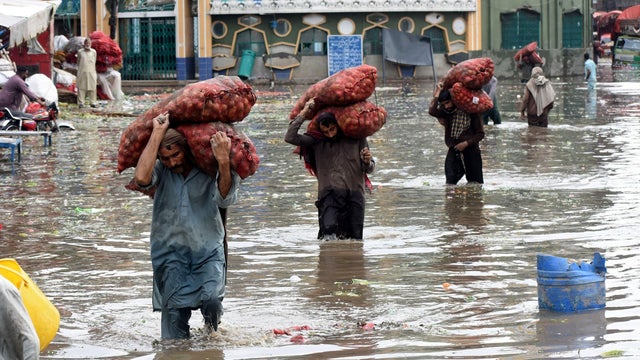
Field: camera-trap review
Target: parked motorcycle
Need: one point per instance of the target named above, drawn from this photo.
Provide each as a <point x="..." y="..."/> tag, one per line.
<point x="39" y="119"/>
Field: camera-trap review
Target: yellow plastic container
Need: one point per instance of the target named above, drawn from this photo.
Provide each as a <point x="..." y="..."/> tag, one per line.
<point x="45" y="316"/>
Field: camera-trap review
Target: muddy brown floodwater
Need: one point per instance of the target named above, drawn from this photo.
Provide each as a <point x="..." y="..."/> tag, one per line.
<point x="569" y="190"/>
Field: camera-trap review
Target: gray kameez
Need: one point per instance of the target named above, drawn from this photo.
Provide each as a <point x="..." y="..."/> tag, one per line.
<point x="187" y="235"/>
<point x="18" y="337"/>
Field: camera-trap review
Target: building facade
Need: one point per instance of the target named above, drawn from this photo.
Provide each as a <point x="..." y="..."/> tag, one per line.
<point x="287" y="40"/>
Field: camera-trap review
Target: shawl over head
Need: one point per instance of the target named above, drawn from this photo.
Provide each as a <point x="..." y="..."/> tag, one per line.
<point x="541" y="89"/>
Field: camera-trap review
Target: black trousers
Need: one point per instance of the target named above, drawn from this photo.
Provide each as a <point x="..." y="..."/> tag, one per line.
<point x="467" y="163"/>
<point x="341" y="213"/>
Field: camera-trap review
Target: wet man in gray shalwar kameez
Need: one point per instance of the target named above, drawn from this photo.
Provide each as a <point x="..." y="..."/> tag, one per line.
<point x="187" y="230"/>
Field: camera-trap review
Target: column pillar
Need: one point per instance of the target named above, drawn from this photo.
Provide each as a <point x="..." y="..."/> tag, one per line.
<point x="205" y="40"/>
<point x="185" y="61"/>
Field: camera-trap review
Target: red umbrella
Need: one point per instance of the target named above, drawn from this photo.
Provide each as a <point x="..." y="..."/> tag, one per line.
<point x="609" y="18"/>
<point x="630" y="13"/>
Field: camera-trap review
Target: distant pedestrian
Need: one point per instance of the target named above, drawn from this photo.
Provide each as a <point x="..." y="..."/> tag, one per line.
<point x="494" y="114"/>
<point x="538" y="99"/>
<point x="87" y="78"/>
<point x="589" y="72"/>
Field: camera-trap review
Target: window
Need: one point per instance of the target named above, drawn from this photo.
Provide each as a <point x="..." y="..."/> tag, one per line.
<point x="572" y="29"/>
<point x="406" y="24"/>
<point x="313" y="42"/>
<point x="519" y="29"/>
<point x="282" y="27"/>
<point x="436" y="35"/>
<point x="377" y="18"/>
<point x="219" y="29"/>
<point x="250" y="40"/>
<point x="346" y="26"/>
<point x="373" y="41"/>
<point x="249" y="20"/>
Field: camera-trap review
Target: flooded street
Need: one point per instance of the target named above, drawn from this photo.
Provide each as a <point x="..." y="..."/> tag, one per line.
<point x="441" y="273"/>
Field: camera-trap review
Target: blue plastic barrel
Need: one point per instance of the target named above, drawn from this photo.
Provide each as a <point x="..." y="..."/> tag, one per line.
<point x="566" y="286"/>
<point x="246" y="64"/>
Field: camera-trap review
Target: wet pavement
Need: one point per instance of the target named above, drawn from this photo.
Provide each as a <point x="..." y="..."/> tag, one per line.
<point x="442" y="272"/>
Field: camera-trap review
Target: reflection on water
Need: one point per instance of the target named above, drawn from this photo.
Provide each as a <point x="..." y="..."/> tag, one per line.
<point x="571" y="332"/>
<point x="443" y="272"/>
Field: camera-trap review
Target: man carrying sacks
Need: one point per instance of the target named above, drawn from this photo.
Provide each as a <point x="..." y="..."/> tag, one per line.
<point x="335" y="147"/>
<point x="457" y="103"/>
<point x="191" y="163"/>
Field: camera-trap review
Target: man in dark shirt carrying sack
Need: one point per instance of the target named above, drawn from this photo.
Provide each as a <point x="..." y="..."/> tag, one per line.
<point x="340" y="163"/>
<point x="462" y="135"/>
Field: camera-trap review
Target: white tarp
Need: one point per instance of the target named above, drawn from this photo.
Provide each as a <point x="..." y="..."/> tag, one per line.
<point x="25" y="19"/>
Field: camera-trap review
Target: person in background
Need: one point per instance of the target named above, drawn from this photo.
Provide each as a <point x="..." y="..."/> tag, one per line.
<point x="15" y="89"/>
<point x="494" y="114"/>
<point x="18" y="337"/>
<point x="589" y="72"/>
<point x="538" y="99"/>
<point x="187" y="227"/>
<point x="87" y="78"/>
<point x="341" y="165"/>
<point x="462" y="135"/>
<point x="527" y="69"/>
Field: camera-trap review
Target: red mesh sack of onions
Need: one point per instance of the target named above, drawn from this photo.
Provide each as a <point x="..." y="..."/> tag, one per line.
<point x="470" y="100"/>
<point x="223" y="98"/>
<point x="244" y="158"/>
<point x="472" y="73"/>
<point x="108" y="51"/>
<point x="358" y="120"/>
<point x="132" y="142"/>
<point x="525" y="51"/>
<point x="243" y="155"/>
<point x="345" y="87"/>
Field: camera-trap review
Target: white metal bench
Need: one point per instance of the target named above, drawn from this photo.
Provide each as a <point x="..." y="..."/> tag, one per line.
<point x="13" y="144"/>
<point x="46" y="135"/>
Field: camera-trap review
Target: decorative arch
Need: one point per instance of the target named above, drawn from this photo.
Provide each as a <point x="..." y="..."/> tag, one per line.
<point x="377" y="19"/>
<point x="312" y="41"/>
<point x="372" y="40"/>
<point x="439" y="38"/>
<point x="249" y="38"/>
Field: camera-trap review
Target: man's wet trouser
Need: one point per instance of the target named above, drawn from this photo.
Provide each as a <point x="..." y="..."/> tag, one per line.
<point x="467" y="162"/>
<point x="175" y="322"/>
<point x="340" y="213"/>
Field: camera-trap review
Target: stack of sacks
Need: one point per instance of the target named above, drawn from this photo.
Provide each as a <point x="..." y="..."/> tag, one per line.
<point x="109" y="54"/>
<point x="465" y="82"/>
<point x="345" y="95"/>
<point x="108" y="61"/>
<point x="198" y="111"/>
<point x="528" y="55"/>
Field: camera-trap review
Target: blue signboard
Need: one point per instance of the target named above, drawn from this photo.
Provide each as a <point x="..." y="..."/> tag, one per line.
<point x="343" y="51"/>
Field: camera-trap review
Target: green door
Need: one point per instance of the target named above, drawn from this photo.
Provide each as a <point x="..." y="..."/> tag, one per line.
<point x="519" y="29"/>
<point x="572" y="29"/>
<point x="148" y="48"/>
